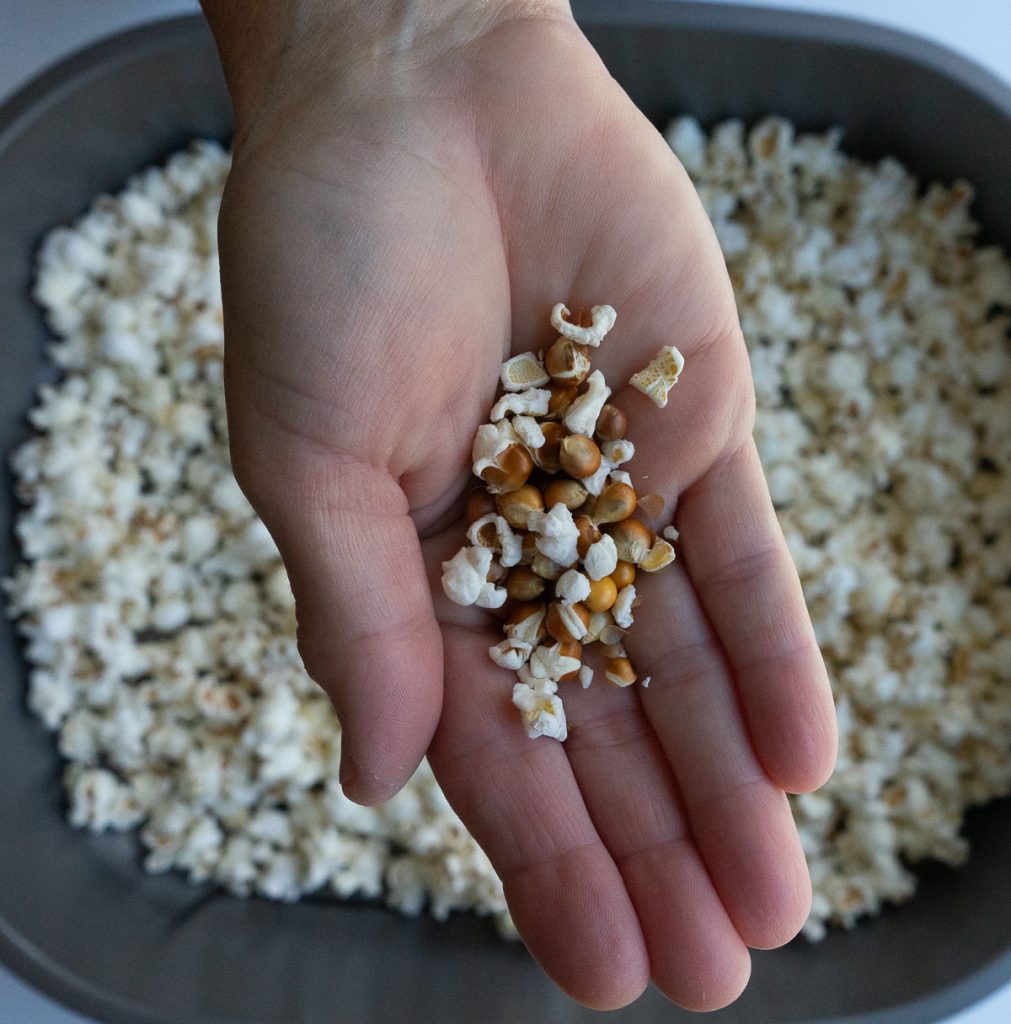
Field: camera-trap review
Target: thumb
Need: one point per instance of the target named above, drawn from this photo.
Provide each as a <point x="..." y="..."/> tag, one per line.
<point x="366" y="626"/>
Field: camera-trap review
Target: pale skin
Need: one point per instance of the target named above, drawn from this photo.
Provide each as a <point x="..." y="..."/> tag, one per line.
<point x="414" y="186"/>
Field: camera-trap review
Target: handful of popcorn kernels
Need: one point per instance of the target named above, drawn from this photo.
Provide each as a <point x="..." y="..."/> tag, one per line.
<point x="552" y="528"/>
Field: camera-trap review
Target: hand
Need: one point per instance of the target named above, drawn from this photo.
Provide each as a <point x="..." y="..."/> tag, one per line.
<point x="407" y="202"/>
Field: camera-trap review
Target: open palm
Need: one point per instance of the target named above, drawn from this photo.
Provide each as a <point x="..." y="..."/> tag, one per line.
<point x="383" y="250"/>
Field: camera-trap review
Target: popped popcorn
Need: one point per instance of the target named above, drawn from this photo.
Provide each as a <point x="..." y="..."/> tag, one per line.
<point x="602" y="319"/>
<point x="582" y="415"/>
<point x="662" y="373"/>
<point x="158" y="619"/>
<point x="522" y="372"/>
<point x="878" y="335"/>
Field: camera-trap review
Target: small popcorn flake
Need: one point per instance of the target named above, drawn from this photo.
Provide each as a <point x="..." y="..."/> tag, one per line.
<point x="621" y="610"/>
<point x="510" y="653"/>
<point x="465" y="575"/>
<point x="543" y="714"/>
<point x="601" y="558"/>
<point x="532" y="402"/>
<point x="602" y="319"/>
<point x="670" y="533"/>
<point x="529" y="629"/>
<point x="585" y="410"/>
<point x="558" y="535"/>
<point x="662" y="373"/>
<point x="529" y="431"/>
<point x="572" y="586"/>
<point x="490" y="440"/>
<point x="522" y="372"/>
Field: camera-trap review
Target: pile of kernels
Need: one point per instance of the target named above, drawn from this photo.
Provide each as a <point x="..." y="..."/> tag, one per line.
<point x="878" y="332"/>
<point x="549" y="463"/>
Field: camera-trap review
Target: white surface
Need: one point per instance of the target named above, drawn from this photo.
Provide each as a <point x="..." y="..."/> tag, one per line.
<point x="34" y="33"/>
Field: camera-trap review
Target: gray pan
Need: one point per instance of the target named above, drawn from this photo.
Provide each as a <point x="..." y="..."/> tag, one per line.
<point x="80" y="919"/>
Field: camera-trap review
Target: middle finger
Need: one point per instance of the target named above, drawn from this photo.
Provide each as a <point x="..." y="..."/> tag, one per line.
<point x="740" y="821"/>
<point x="696" y="956"/>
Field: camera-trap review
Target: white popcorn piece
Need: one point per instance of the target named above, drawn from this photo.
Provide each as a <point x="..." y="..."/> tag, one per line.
<point x="548" y="663"/>
<point x="602" y="319"/>
<point x="670" y="533"/>
<point x="94" y="799"/>
<point x="543" y="714"/>
<point x="522" y="372"/>
<point x="222" y="702"/>
<point x="532" y="402"/>
<point x="619" y="476"/>
<point x="529" y="630"/>
<point x="538" y="683"/>
<point x="582" y="415"/>
<point x="657" y="378"/>
<point x="529" y="431"/>
<point x="558" y="535"/>
<point x="596" y="482"/>
<point x="621" y="610"/>
<point x="572" y="586"/>
<point x="491" y="596"/>
<point x="601" y="558"/>
<point x="685" y="136"/>
<point x="617" y="452"/>
<point x="645" y="681"/>
<point x="465" y="575"/>
<point x="493" y="532"/>
<point x="510" y="653"/>
<point x="585" y="676"/>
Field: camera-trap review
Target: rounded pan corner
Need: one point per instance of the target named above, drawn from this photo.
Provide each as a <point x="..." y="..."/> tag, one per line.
<point x="34" y="96"/>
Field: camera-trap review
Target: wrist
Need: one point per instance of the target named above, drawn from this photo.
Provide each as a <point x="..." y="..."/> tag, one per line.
<point x="275" y="46"/>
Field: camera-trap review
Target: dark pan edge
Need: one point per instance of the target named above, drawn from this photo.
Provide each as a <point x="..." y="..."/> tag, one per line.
<point x="49" y="85"/>
<point x="802" y="25"/>
<point x="943" y="1003"/>
<point x="33" y="98"/>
